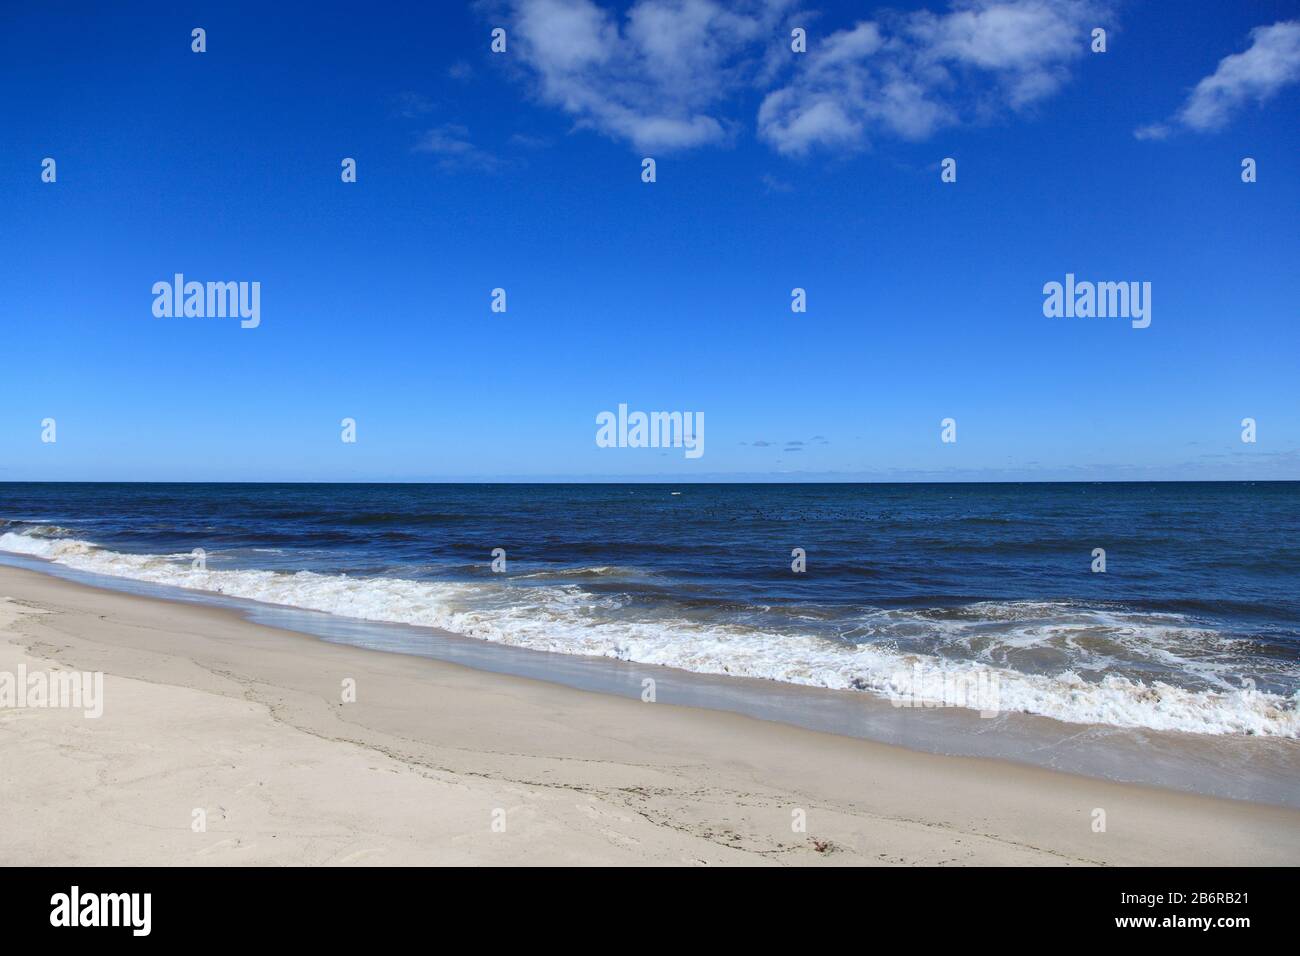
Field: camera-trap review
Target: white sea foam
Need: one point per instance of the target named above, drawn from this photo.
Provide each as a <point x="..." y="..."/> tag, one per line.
<point x="566" y="619"/>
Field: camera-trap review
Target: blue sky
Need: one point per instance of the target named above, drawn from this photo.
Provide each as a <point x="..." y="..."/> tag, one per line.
<point x="775" y="170"/>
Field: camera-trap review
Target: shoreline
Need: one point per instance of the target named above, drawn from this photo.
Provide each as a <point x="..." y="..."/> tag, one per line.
<point x="204" y="710"/>
<point x="1256" y="769"/>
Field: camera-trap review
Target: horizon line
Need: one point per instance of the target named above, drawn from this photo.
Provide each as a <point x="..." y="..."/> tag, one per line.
<point x="645" y="481"/>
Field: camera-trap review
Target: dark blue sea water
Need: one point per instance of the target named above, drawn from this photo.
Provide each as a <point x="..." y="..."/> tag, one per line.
<point x="1194" y="624"/>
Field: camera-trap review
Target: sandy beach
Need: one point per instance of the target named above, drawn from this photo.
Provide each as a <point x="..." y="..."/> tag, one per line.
<point x="440" y="764"/>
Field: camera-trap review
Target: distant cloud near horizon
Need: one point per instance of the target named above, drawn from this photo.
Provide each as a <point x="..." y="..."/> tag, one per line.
<point x="793" y="444"/>
<point x="662" y="76"/>
<point x="1270" y="63"/>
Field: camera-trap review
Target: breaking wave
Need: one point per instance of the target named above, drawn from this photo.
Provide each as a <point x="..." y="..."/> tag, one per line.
<point x="1056" y="659"/>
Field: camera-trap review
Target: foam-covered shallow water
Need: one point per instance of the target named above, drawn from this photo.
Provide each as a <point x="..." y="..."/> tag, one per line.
<point x="979" y="597"/>
<point x="1254" y="768"/>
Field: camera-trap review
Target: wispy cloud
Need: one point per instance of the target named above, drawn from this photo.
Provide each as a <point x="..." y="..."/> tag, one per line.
<point x="664" y="75"/>
<point x="455" y="151"/>
<point x="1270" y="63"/>
<point x="793" y="444"/>
<point x="528" y="141"/>
<point x="911" y="75"/>
<point x="409" y="105"/>
<point x="1152" y="131"/>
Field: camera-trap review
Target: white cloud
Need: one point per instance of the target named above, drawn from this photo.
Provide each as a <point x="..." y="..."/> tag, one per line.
<point x="913" y="74"/>
<point x="658" y="79"/>
<point x="1272" y="62"/>
<point x="455" y="151"/>
<point x="663" y="74"/>
<point x="1152" y="131"/>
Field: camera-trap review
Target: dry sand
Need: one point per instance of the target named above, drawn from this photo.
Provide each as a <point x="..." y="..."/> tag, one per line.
<point x="204" y="710"/>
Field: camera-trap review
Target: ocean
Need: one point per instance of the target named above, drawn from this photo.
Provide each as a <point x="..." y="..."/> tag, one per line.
<point x="909" y="592"/>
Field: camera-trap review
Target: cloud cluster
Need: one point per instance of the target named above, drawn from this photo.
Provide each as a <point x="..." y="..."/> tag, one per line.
<point x="1270" y="63"/>
<point x="662" y="75"/>
<point x="911" y="75"/>
<point x="665" y="74"/>
<point x="658" y="78"/>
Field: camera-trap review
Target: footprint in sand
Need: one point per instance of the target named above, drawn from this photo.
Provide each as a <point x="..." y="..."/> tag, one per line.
<point x="233" y="843"/>
<point x="360" y="855"/>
